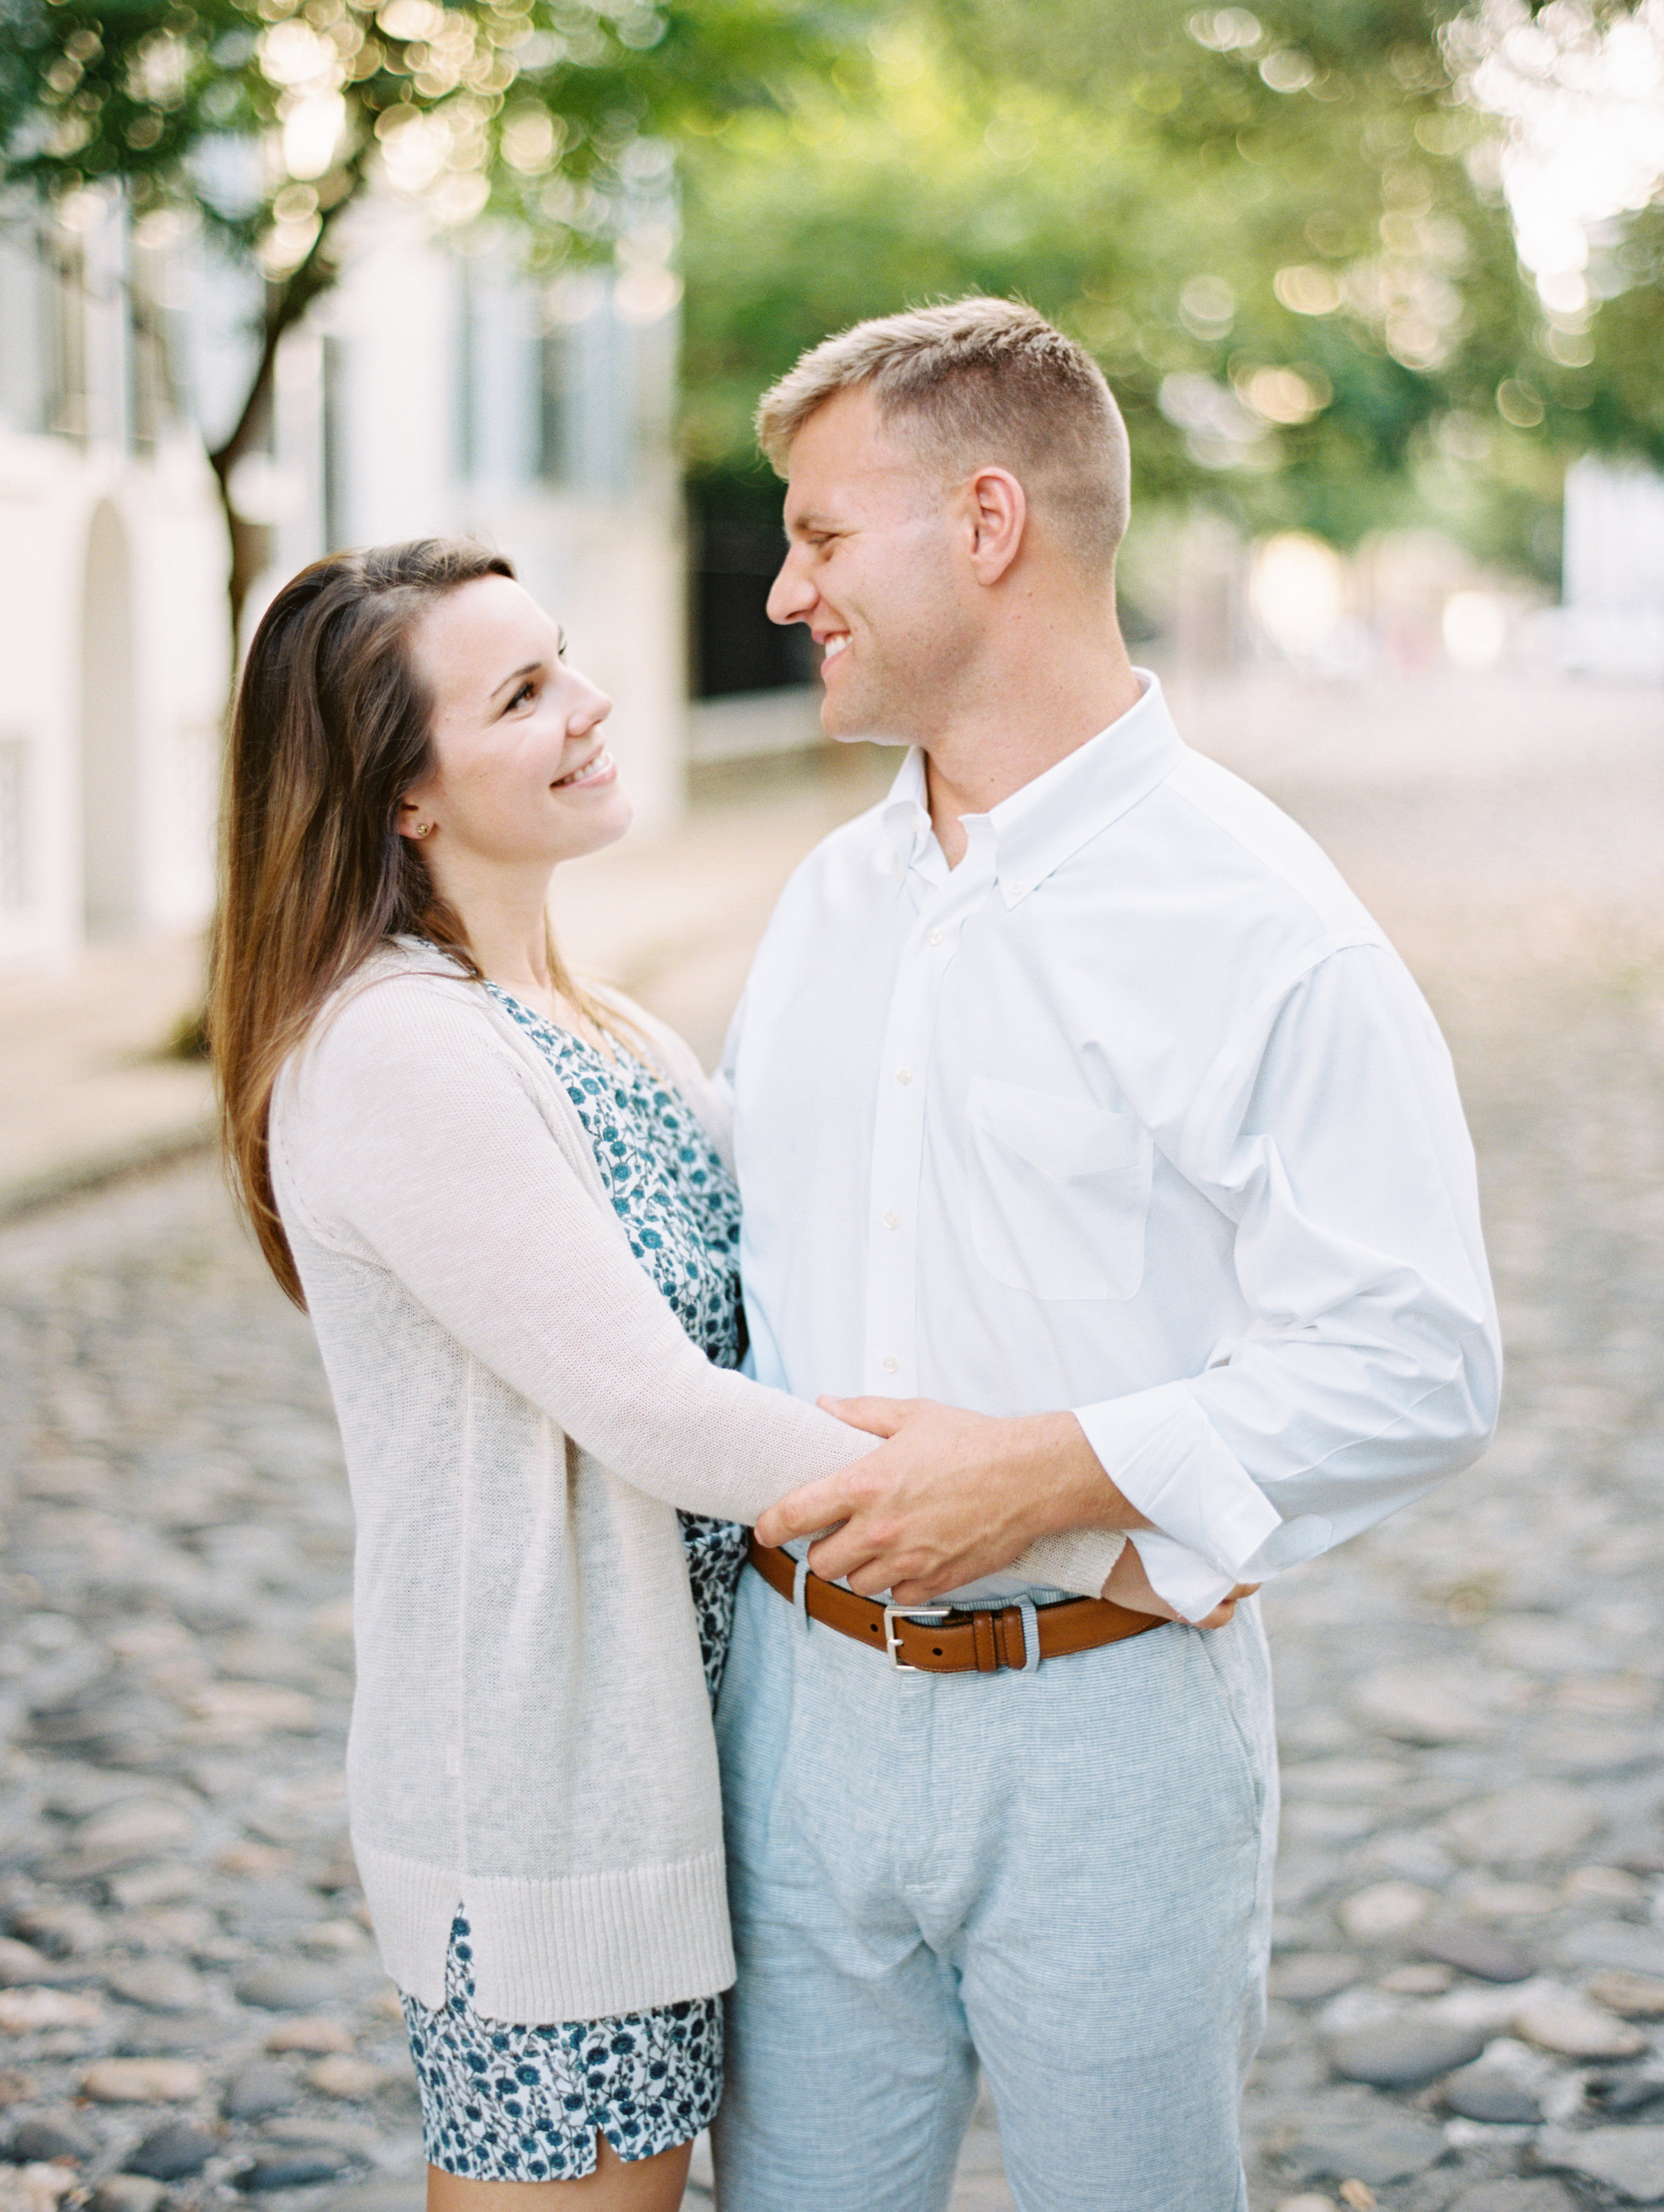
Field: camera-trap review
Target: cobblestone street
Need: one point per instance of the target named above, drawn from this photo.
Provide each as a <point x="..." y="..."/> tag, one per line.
<point x="1467" y="2007"/>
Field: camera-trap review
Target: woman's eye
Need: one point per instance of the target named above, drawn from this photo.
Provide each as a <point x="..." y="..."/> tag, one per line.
<point x="526" y="692"/>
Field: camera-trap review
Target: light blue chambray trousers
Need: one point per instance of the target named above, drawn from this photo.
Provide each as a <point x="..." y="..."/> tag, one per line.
<point x="1065" y="1876"/>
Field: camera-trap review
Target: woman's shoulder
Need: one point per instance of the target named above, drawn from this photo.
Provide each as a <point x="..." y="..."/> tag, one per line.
<point x="408" y="1007"/>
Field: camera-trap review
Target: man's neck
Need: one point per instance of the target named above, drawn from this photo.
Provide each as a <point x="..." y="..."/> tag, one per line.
<point x="988" y="755"/>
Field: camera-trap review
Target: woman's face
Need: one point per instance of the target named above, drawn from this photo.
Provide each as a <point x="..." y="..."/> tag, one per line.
<point x="521" y="777"/>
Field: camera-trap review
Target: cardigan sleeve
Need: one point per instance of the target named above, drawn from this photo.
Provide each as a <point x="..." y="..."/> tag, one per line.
<point x="414" y="1134"/>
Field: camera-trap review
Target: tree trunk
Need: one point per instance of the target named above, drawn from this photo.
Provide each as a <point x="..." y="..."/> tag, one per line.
<point x="287" y="300"/>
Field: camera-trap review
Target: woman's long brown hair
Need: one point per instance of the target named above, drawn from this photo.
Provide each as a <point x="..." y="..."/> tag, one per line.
<point x="331" y="729"/>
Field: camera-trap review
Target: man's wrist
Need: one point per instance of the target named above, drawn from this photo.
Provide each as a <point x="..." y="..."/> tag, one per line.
<point x="1072" y="1488"/>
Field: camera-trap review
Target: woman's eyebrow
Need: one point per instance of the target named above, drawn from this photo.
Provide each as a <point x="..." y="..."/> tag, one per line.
<point x="530" y="668"/>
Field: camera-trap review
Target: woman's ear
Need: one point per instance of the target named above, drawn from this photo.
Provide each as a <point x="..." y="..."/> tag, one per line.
<point x="415" y="819"/>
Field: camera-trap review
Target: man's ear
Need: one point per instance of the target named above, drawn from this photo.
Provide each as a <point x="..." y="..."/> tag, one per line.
<point x="997" y="515"/>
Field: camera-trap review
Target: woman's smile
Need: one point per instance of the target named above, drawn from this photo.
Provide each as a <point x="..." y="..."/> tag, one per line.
<point x="599" y="768"/>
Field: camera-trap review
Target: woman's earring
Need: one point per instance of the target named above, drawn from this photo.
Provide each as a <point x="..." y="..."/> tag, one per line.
<point x="423" y="827"/>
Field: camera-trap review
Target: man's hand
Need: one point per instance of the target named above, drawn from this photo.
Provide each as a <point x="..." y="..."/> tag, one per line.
<point x="951" y="1497"/>
<point x="1129" y="1585"/>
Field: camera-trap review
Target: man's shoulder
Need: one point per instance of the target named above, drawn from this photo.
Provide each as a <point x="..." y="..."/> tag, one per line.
<point x="845" y="857"/>
<point x="1257" y="859"/>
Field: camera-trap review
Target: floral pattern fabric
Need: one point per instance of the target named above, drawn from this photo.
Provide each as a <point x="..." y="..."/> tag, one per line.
<point x="503" y="2102"/>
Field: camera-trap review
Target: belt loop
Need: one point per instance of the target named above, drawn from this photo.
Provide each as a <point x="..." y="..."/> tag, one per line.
<point x="800" y="1590"/>
<point x="1025" y="1606"/>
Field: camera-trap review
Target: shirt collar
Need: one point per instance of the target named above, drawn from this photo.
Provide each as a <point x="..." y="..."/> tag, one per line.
<point x="1049" y="820"/>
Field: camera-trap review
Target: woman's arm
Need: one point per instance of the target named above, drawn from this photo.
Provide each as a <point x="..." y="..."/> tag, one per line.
<point x="412" y="1133"/>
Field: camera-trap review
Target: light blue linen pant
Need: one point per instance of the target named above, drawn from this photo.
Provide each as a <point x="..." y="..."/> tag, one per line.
<point x="1066" y="1875"/>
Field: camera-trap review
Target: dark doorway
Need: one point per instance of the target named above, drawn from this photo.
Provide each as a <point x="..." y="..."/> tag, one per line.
<point x="735" y="545"/>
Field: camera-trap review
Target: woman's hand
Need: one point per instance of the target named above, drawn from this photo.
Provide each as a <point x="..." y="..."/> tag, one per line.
<point x="1129" y="1585"/>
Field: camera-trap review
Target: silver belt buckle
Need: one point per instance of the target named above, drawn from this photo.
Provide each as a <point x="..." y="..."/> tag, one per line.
<point x="893" y="1642"/>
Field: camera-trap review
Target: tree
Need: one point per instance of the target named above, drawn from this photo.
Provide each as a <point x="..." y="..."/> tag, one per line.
<point x="1281" y="232"/>
<point x="269" y="121"/>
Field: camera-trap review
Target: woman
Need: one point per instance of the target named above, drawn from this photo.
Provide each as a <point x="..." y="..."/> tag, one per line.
<point x="503" y="1200"/>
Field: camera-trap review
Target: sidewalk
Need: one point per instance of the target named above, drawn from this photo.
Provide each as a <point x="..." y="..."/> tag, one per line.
<point x="87" y="1091"/>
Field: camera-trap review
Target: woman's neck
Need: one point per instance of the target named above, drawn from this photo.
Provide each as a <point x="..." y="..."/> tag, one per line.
<point x="506" y="925"/>
<point x="505" y="919"/>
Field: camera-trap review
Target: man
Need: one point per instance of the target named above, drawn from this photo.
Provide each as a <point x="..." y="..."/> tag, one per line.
<point x="1073" y="1088"/>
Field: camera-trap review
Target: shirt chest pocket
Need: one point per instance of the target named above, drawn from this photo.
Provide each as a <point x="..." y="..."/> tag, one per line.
<point x="1060" y="1191"/>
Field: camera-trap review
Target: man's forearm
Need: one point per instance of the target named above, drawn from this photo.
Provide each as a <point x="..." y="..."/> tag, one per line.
<point x="1063" y="1478"/>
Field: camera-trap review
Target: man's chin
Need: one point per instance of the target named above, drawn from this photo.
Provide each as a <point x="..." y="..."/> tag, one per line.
<point x="845" y="722"/>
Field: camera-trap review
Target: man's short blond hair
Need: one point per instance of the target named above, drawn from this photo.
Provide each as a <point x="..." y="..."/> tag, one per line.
<point x="979" y="383"/>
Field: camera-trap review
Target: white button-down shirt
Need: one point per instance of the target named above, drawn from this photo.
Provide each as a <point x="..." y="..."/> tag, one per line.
<point x="1134" y="1111"/>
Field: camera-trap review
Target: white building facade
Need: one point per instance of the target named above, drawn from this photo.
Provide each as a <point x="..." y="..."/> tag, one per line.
<point x="435" y="390"/>
<point x="1612" y="625"/>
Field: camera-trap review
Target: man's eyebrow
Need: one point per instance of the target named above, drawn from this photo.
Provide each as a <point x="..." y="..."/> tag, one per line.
<point x="530" y="668"/>
<point x="810" y="519"/>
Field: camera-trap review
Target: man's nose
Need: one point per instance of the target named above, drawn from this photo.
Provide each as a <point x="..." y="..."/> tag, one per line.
<point x="790" y="595"/>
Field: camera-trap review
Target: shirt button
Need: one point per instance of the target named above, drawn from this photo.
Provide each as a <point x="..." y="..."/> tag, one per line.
<point x="889" y="1363"/>
<point x="935" y="937"/>
<point x="892" y="1220"/>
<point x="904" y="1075"/>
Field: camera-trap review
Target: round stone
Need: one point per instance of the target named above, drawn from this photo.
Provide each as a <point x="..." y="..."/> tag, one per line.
<point x="291" y="2170"/>
<point x="259" y="2090"/>
<point x="1474" y="1951"/>
<point x="136" y="1828"/>
<point x="144" y="2080"/>
<point x="170" y="2153"/>
<point x="1493" y="2095"/>
<point x="1404" y="2054"/>
<point x="1633" y="1997"/>
<point x="21" y="1964"/>
<point x="289" y="1985"/>
<point x="316" y="2034"/>
<point x="40" y="2142"/>
<point x="341" y="2074"/>
<point x="1629" y="2161"/>
<point x="1385" y="1910"/>
<point x="1518" y="1827"/>
<point x="1309" y="1977"/>
<point x="27" y="2011"/>
<point x="128" y="2192"/>
<point x="1559" y="2021"/>
<point x="158" y="1985"/>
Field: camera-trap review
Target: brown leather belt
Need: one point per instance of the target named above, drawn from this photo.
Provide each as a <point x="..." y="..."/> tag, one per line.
<point x="943" y="1640"/>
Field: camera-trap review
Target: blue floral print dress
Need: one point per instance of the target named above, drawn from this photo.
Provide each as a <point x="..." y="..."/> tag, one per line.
<point x="502" y="2102"/>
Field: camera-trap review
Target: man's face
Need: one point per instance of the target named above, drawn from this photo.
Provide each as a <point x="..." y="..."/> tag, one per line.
<point x="876" y="571"/>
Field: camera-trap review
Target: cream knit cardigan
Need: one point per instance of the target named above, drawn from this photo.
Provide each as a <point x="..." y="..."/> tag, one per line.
<point x="521" y="1414"/>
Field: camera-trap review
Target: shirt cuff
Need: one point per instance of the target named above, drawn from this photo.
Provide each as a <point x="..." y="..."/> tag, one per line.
<point x="1190" y="1584"/>
<point x="1165" y="1456"/>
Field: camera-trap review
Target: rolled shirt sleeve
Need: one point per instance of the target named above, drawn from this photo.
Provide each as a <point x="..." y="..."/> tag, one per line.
<point x="1371" y="1366"/>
